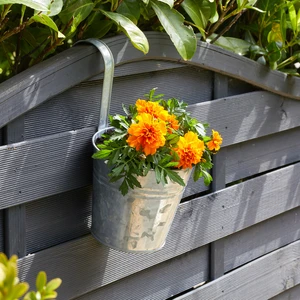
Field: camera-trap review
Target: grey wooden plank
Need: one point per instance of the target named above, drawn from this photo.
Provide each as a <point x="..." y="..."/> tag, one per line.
<point x="289" y="294"/>
<point x="219" y="182"/>
<point x="237" y="87"/>
<point x="244" y="117"/>
<point x="15" y="221"/>
<point x="1" y="231"/>
<point x="57" y="219"/>
<point x="159" y="282"/>
<point x="140" y="67"/>
<point x="87" y="265"/>
<point x="246" y="245"/>
<point x="79" y="107"/>
<point x="42" y="167"/>
<point x="262" y="154"/>
<point x="260" y="279"/>
<point x="50" y="165"/>
<point x="15" y="230"/>
<point x="41" y="82"/>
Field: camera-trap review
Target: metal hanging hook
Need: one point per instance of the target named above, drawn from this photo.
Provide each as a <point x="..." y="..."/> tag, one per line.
<point x="109" y="66"/>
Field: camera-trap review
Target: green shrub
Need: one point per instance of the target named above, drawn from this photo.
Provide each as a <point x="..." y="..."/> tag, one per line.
<point x="12" y="289"/>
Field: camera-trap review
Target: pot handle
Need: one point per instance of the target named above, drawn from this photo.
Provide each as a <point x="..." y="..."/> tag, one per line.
<point x="107" y="80"/>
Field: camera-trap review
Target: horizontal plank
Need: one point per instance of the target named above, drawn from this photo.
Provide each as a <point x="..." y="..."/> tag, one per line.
<point x="260" y="155"/>
<point x="260" y="279"/>
<point x="57" y="219"/>
<point x="79" y="106"/>
<point x="141" y="67"/>
<point x="248" y="116"/>
<point x="197" y="223"/>
<point x="159" y="282"/>
<point x="57" y="74"/>
<point x="262" y="238"/>
<point x="45" y="166"/>
<point x="290" y="294"/>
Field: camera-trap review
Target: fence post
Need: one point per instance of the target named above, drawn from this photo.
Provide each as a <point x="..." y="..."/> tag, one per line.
<point x="218" y="173"/>
<point x="15" y="217"/>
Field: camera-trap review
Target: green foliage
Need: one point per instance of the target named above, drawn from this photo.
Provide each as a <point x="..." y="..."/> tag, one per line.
<point x="264" y="30"/>
<point x="12" y="289"/>
<point x="129" y="161"/>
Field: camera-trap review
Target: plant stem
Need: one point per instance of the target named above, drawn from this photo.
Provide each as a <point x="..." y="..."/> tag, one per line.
<point x="228" y="26"/>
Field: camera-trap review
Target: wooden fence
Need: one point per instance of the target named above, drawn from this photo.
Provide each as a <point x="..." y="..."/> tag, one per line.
<point x="237" y="239"/>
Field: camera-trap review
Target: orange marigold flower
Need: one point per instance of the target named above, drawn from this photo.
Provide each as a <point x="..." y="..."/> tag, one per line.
<point x="190" y="150"/>
<point x="216" y="141"/>
<point x="152" y="108"/>
<point x="147" y="135"/>
<point x="173" y="122"/>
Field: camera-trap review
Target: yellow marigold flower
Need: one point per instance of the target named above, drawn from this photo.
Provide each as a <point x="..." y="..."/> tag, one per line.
<point x="147" y="135"/>
<point x="190" y="150"/>
<point x="152" y="108"/>
<point x="216" y="141"/>
<point x="173" y="122"/>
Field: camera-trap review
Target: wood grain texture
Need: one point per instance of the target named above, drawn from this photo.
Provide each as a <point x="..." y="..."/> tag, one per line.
<point x="159" y="282"/>
<point x="79" y="107"/>
<point x="253" y="242"/>
<point x="55" y="75"/>
<point x="242" y="160"/>
<point x="262" y="154"/>
<point x="290" y="294"/>
<point x="49" y="165"/>
<point x="14" y="217"/>
<point x="57" y="219"/>
<point x="85" y="265"/>
<point x="261" y="279"/>
<point x="248" y="116"/>
<point x="38" y="168"/>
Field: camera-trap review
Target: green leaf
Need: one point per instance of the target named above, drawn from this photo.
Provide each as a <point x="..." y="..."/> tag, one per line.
<point x="98" y="29"/>
<point x="171" y="164"/>
<point x="183" y="37"/>
<point x="235" y="45"/>
<point x="53" y="285"/>
<point x="274" y="53"/>
<point x="293" y="17"/>
<point x="77" y="9"/>
<point x="104" y="153"/>
<point x="55" y="7"/>
<point x="157" y="174"/>
<point x="40" y="5"/>
<point x="41" y="281"/>
<point x="175" y="177"/>
<point x="19" y="290"/>
<point x="170" y="3"/>
<point x="50" y="295"/>
<point x="197" y="172"/>
<point x="44" y="19"/>
<point x="283" y="26"/>
<point x="130" y="9"/>
<point x="30" y="296"/>
<point x="199" y="11"/>
<point x="136" y="36"/>
<point x="123" y="188"/>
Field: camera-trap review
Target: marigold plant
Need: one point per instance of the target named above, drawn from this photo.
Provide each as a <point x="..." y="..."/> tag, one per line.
<point x="159" y="135"/>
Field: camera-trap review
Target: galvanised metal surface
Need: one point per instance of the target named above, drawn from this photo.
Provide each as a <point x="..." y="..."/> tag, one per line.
<point x="138" y="221"/>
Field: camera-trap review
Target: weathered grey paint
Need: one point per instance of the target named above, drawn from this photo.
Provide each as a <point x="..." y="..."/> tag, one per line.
<point x="14" y="217"/>
<point x="159" y="282"/>
<point x="263" y="278"/>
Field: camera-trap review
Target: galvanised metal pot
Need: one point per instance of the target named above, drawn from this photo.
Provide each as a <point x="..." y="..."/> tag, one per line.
<point x="138" y="221"/>
<point x="141" y="220"/>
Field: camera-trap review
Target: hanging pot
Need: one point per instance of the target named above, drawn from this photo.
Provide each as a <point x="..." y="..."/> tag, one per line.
<point x="140" y="220"/>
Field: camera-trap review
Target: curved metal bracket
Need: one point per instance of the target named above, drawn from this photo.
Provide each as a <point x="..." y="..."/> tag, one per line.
<point x="107" y="80"/>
